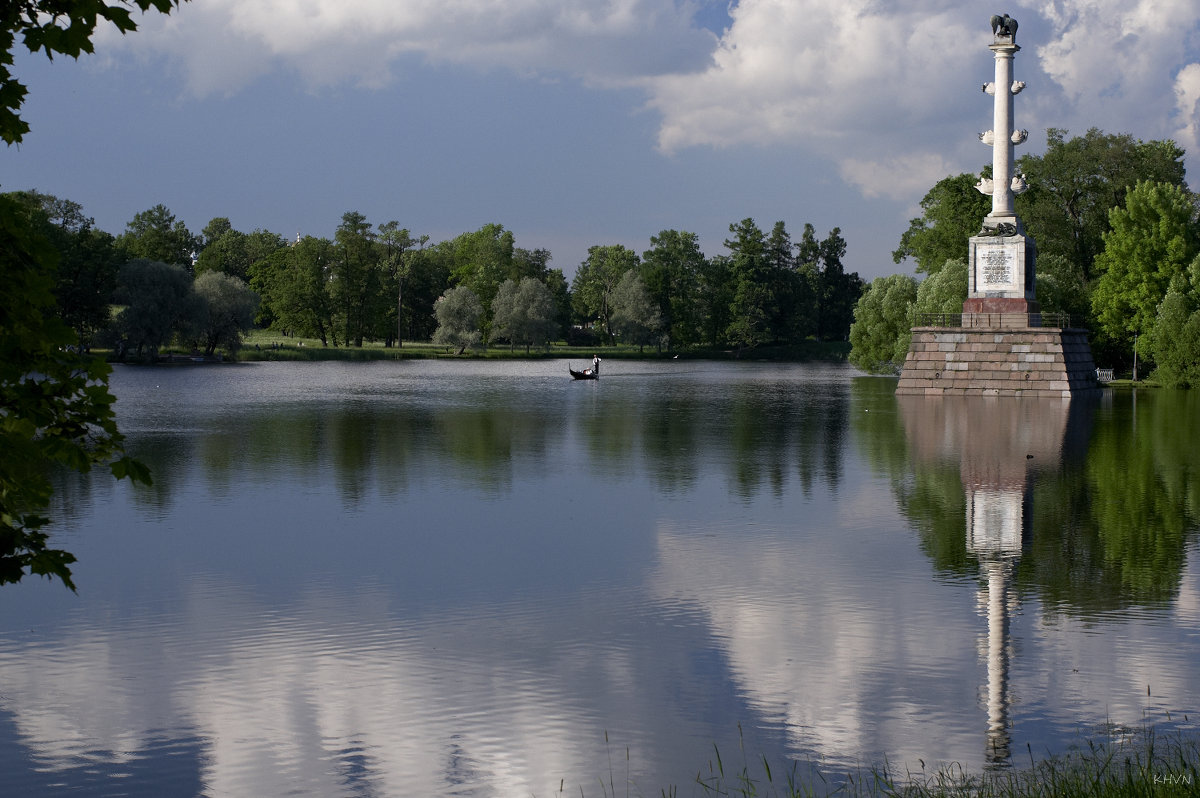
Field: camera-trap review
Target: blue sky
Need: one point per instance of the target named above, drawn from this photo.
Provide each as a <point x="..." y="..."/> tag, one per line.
<point x="582" y="122"/>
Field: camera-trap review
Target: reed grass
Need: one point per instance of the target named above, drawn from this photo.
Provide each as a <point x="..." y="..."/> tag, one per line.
<point x="1147" y="765"/>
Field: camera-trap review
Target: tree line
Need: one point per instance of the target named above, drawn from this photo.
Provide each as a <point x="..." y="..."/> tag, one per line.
<point x="157" y="283"/>
<point x="1117" y="233"/>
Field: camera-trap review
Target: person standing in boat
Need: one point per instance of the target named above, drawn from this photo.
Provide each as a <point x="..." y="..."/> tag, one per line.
<point x="596" y="365"/>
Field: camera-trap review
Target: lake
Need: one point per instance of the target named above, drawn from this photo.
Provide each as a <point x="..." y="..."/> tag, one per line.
<point x="484" y="578"/>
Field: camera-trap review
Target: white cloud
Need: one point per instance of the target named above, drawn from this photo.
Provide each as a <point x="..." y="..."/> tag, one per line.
<point x="1187" y="102"/>
<point x="881" y="89"/>
<point x="899" y="178"/>
<point x="224" y="44"/>
<point x="1113" y="59"/>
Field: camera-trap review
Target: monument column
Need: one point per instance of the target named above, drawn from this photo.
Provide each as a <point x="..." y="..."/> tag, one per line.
<point x="1001" y="274"/>
<point x="1000" y="347"/>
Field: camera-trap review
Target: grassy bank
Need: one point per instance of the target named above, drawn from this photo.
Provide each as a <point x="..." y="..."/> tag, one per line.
<point x="1146" y="766"/>
<point x="267" y="345"/>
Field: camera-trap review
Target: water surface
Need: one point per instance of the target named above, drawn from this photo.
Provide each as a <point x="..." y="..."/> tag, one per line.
<point x="448" y="578"/>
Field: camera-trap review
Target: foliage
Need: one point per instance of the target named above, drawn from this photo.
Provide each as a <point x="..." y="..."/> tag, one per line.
<point x="752" y="312"/>
<point x="55" y="407"/>
<point x="952" y="212"/>
<point x="1061" y="288"/>
<point x="636" y="317"/>
<point x="155" y="234"/>
<point x="1175" y="338"/>
<point x="1076" y="182"/>
<point x="944" y="291"/>
<point x="159" y="303"/>
<point x="54" y="27"/>
<point x="881" y="332"/>
<point x="523" y="312"/>
<point x="458" y="313"/>
<point x="356" y="278"/>
<point x="228" y="311"/>
<point x="481" y="261"/>
<point x="233" y="252"/>
<point x="87" y="262"/>
<point x="596" y="279"/>
<point x="672" y="270"/>
<point x="1152" y="239"/>
<point x="294" y="287"/>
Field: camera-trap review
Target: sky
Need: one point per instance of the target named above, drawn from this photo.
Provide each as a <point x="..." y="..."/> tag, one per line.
<point x="577" y="123"/>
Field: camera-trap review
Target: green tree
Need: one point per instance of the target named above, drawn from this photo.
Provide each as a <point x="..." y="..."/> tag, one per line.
<point x="233" y="252"/>
<point x="53" y="27"/>
<point x="882" y="331"/>
<point x="752" y="311"/>
<point x="294" y="286"/>
<point x="1151" y="239"/>
<point x="1061" y="288"/>
<point x="459" y="313"/>
<point x="596" y="279"/>
<point x="672" y="269"/>
<point x="836" y="291"/>
<point x="55" y="407"/>
<point x="87" y="262"/>
<point x="356" y="278"/>
<point x="397" y="243"/>
<point x="944" y="291"/>
<point x="951" y="213"/>
<point x="481" y="261"/>
<point x="1175" y="338"/>
<point x="1074" y="184"/>
<point x="159" y="303"/>
<point x="228" y="311"/>
<point x="155" y="234"/>
<point x="636" y="317"/>
<point x="524" y="312"/>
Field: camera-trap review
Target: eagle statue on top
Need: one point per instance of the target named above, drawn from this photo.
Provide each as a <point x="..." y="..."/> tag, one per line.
<point x="1004" y="25"/>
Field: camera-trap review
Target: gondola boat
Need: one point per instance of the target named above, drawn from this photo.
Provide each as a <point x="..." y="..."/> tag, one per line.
<point x="586" y="374"/>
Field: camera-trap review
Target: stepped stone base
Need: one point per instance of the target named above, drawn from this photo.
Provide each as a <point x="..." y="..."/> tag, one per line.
<point x="973" y="361"/>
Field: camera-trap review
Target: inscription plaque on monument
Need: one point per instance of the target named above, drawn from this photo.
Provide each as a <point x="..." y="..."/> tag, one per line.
<point x="996" y="267"/>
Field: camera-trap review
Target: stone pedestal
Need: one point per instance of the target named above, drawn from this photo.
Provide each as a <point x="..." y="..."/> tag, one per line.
<point x="979" y="361"/>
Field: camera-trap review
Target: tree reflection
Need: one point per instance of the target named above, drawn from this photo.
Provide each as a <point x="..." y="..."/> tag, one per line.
<point x="1112" y="489"/>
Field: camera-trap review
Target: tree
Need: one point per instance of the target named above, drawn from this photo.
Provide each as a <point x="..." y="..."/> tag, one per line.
<point x="952" y="212"/>
<point x="671" y="270"/>
<point x="1151" y="239"/>
<point x="228" y="311"/>
<point x="294" y="286"/>
<point x="159" y="303"/>
<point x="356" y="282"/>
<point x="636" y="317"/>
<point x="155" y="234"/>
<point x="55" y="407"/>
<point x="752" y="309"/>
<point x="524" y="312"/>
<point x="87" y="262"/>
<point x="397" y="243"/>
<point x="481" y="261"/>
<point x="942" y="292"/>
<point x="1075" y="183"/>
<point x="458" y="313"/>
<point x="595" y="281"/>
<point x="881" y="332"/>
<point x="233" y="252"/>
<point x="1175" y="337"/>
<point x="836" y="291"/>
<point x="53" y="26"/>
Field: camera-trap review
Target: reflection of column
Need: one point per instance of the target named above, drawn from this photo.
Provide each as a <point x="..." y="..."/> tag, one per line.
<point x="995" y="531"/>
<point x="998" y="444"/>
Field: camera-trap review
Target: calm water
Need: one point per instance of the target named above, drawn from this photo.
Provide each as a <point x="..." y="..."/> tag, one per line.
<point x="433" y="578"/>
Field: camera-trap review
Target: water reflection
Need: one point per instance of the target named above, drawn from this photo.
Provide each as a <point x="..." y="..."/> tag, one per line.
<point x="415" y="580"/>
